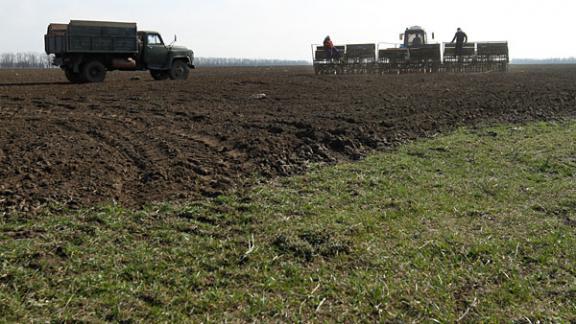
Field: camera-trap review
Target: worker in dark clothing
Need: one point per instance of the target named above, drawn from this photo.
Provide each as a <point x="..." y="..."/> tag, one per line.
<point x="460" y="38"/>
<point x="331" y="51"/>
<point x="417" y="42"/>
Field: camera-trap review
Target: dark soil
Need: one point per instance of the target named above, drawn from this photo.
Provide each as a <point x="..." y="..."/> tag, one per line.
<point x="141" y="141"/>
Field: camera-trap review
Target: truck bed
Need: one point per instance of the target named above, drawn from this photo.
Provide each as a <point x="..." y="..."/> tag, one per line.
<point x="91" y="37"/>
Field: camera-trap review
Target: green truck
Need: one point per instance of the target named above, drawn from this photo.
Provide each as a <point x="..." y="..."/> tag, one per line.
<point x="86" y="50"/>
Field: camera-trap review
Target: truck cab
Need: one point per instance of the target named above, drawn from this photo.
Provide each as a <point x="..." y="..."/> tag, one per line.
<point x="163" y="60"/>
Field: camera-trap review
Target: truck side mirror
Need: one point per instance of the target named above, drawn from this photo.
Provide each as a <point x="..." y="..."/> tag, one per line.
<point x="174" y="41"/>
<point x="432" y="35"/>
<point x="401" y="36"/>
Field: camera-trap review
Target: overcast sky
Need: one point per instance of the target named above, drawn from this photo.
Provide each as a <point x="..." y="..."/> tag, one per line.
<point x="285" y="29"/>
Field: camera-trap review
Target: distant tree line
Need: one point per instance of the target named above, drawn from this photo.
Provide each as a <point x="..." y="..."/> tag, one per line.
<point x="30" y="60"/>
<point x="221" y="61"/>
<point x="568" y="60"/>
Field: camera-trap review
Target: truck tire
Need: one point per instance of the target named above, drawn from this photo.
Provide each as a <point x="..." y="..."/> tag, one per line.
<point x="74" y="77"/>
<point x="179" y="70"/>
<point x="159" y="75"/>
<point x="94" y="71"/>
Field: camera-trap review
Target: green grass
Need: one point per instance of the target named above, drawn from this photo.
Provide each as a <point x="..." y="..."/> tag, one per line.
<point x="478" y="225"/>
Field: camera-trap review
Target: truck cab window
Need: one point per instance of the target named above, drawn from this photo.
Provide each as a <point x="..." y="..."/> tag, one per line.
<point x="154" y="39"/>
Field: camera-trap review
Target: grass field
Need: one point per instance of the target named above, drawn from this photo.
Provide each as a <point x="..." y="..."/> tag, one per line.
<point x="476" y="225"/>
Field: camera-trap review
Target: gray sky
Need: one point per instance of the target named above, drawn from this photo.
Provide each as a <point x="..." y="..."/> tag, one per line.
<point x="285" y="29"/>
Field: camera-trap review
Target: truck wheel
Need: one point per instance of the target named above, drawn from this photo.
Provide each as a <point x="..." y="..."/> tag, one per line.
<point x="179" y="70"/>
<point x="94" y="71"/>
<point x="159" y="74"/>
<point x="74" y="77"/>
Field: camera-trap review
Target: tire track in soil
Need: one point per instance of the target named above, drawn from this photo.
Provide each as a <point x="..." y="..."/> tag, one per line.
<point x="137" y="142"/>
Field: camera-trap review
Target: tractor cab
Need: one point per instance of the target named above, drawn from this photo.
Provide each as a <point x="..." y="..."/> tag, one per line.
<point x="414" y="37"/>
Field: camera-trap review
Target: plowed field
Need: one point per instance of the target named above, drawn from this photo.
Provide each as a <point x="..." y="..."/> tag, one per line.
<point x="137" y="141"/>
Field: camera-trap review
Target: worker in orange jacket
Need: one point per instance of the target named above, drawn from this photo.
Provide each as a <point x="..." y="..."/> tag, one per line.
<point x="331" y="51"/>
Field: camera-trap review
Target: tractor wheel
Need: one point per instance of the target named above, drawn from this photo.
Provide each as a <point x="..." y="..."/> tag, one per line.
<point x="159" y="75"/>
<point x="74" y="77"/>
<point x="94" y="71"/>
<point x="179" y="70"/>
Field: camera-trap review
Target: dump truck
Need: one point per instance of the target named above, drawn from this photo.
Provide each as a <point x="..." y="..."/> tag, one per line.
<point x="86" y="50"/>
